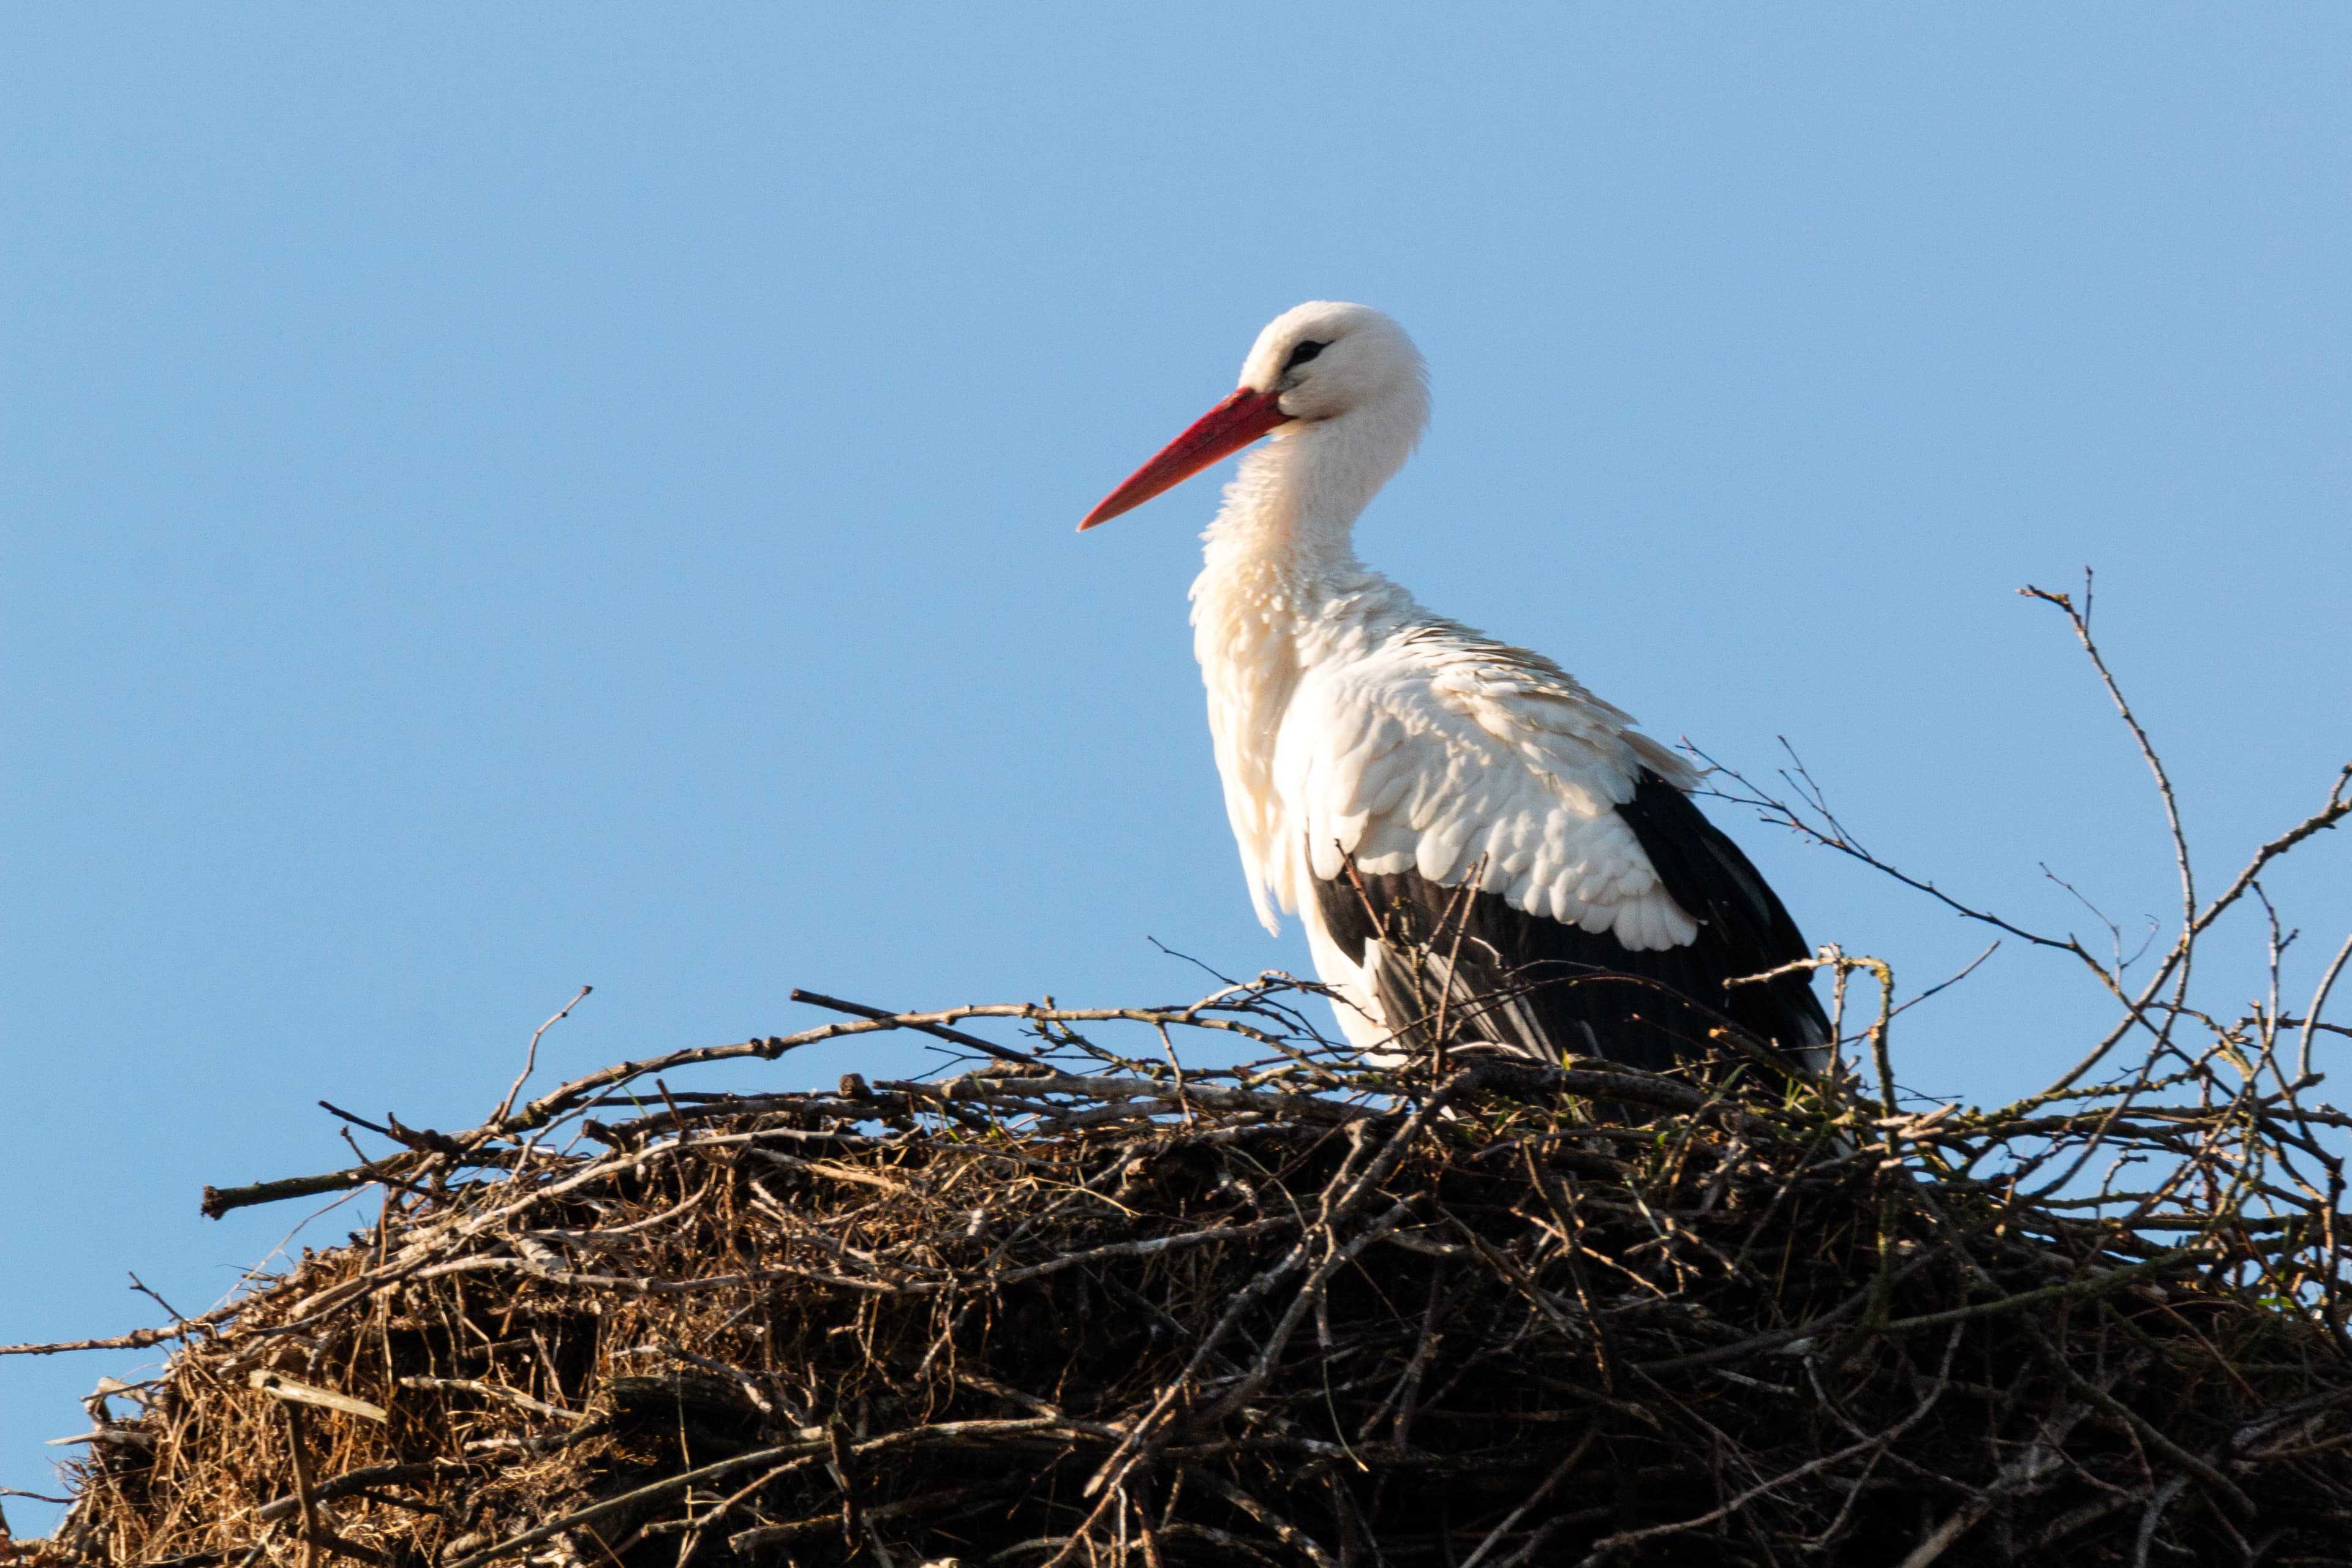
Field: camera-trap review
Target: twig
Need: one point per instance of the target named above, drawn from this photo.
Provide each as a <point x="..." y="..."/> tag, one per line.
<point x="530" y="1058"/>
<point x="939" y="1031"/>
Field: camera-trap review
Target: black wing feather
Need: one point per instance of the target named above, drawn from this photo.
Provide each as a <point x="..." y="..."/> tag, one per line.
<point x="1540" y="985"/>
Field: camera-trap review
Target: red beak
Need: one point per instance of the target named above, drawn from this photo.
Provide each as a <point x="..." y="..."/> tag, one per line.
<point x="1220" y="432"/>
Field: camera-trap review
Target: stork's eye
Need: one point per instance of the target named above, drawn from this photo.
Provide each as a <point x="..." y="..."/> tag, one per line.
<point x="1300" y="356"/>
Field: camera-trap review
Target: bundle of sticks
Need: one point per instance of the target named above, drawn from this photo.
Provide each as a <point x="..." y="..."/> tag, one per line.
<point x="1069" y="1299"/>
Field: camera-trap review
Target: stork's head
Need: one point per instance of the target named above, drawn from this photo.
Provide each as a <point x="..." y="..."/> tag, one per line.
<point x="1318" y="363"/>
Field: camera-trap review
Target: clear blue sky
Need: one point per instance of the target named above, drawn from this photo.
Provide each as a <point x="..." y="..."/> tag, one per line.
<point x="502" y="498"/>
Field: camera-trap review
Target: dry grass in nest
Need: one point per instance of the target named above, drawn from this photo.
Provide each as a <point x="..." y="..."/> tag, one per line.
<point x="1079" y="1307"/>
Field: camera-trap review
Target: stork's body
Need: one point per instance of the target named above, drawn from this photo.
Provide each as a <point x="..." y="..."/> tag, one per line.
<point x="1459" y="824"/>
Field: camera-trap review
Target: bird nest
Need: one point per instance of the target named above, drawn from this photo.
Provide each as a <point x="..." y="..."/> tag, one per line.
<point x="1073" y="1302"/>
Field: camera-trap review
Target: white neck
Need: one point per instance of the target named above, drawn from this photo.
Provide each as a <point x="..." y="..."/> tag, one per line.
<point x="1280" y="570"/>
<point x="1295" y="502"/>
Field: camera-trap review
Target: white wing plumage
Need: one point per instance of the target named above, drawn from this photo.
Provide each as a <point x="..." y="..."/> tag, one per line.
<point x="1440" y="751"/>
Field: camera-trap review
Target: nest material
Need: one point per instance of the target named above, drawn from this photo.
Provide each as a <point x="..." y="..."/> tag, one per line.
<point x="1075" y="1306"/>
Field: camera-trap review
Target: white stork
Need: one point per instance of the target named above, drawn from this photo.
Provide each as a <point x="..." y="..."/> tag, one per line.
<point x="1460" y="824"/>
